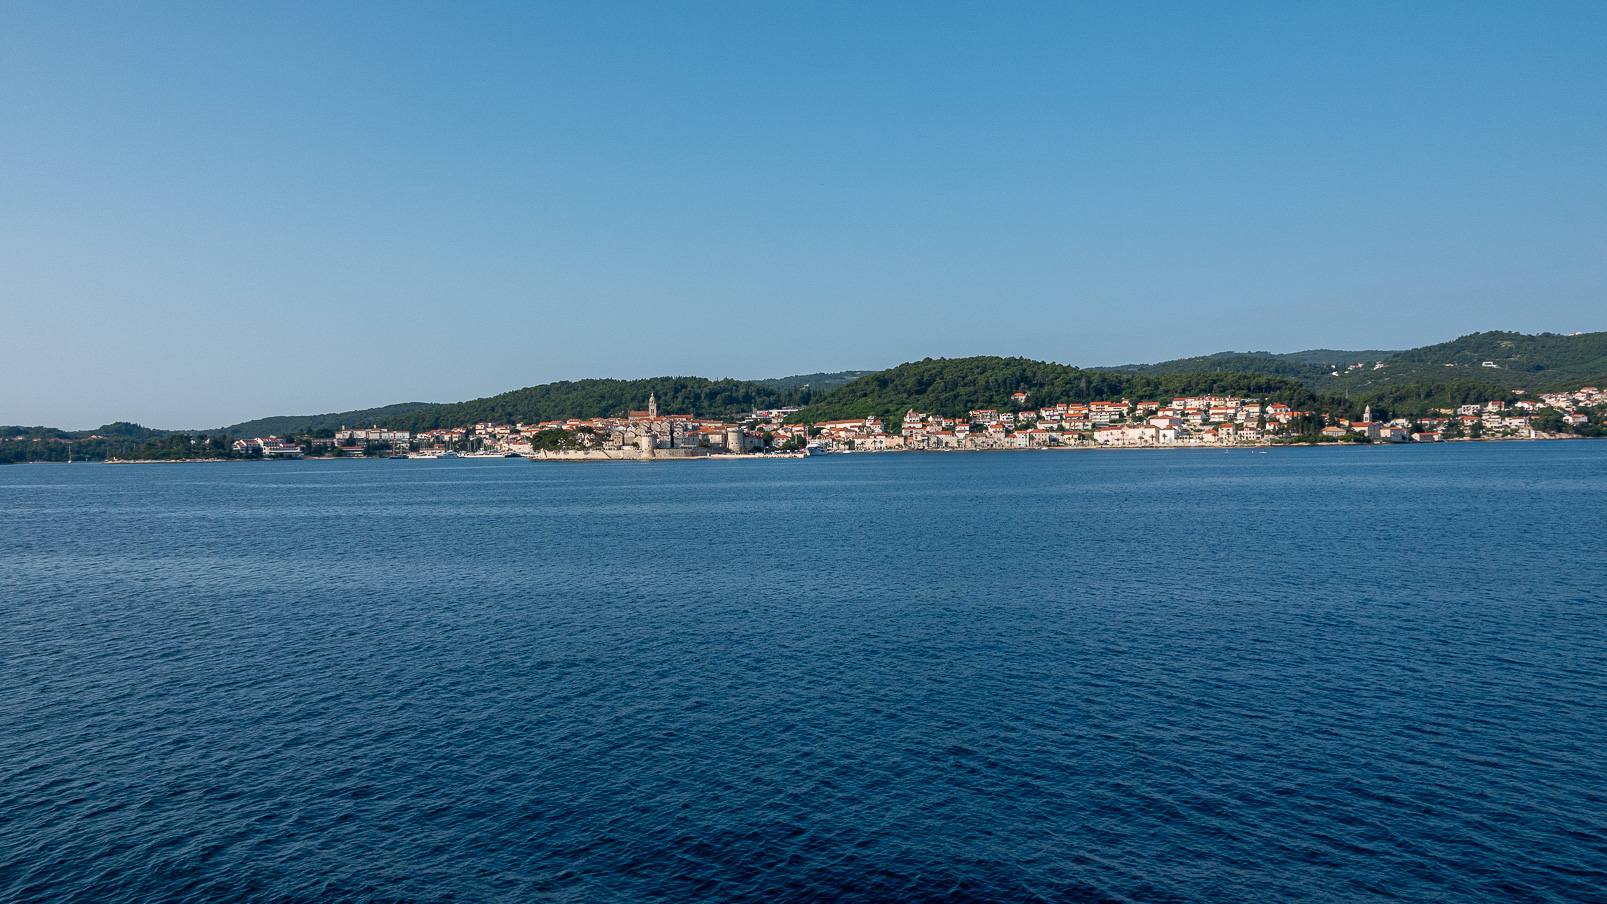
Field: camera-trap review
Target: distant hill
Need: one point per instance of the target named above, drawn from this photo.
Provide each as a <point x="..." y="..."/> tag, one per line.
<point x="1534" y="363"/>
<point x="16" y="431"/>
<point x="1232" y="362"/>
<point x="129" y="430"/>
<point x="119" y="430"/>
<point x="604" y="398"/>
<point x="1518" y="361"/>
<point x="1549" y="353"/>
<point x="19" y="444"/>
<point x="817" y="382"/>
<point x="301" y="423"/>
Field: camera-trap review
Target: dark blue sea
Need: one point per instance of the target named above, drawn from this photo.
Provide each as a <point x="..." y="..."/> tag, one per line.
<point x="1323" y="674"/>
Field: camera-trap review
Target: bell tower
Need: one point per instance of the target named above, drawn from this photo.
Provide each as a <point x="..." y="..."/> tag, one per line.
<point x="652" y="404"/>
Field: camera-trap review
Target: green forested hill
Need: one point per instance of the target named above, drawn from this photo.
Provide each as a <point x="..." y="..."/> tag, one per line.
<point x="119" y="429"/>
<point x="604" y="398"/>
<point x="1422" y="398"/>
<point x="1556" y="357"/>
<point x="1541" y="362"/>
<point x="953" y="386"/>
<point x="1398" y="375"/>
<point x="303" y="423"/>
<point x="20" y="444"/>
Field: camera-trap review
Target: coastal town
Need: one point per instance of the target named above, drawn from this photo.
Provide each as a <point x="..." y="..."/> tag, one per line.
<point x="1196" y="421"/>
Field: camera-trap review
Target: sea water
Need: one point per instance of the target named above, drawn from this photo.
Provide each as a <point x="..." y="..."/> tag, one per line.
<point x="1355" y="674"/>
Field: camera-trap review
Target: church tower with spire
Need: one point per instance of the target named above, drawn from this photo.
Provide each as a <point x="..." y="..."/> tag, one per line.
<point x="652" y="404"/>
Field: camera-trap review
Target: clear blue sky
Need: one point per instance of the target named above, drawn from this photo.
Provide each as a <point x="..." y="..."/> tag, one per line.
<point x="216" y="211"/>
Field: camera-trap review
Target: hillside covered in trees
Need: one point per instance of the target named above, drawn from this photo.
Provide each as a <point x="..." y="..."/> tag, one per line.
<point x="1542" y="362"/>
<point x="1582" y="356"/>
<point x="304" y="423"/>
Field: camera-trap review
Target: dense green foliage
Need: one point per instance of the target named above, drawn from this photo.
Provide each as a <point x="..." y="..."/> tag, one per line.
<point x="604" y="398"/>
<point x="953" y="386"/>
<point x="558" y="439"/>
<point x="1414" y="399"/>
<point x="306" y="423"/>
<point x="13" y="451"/>
<point x="97" y="447"/>
<point x="551" y="440"/>
<point x="178" y="447"/>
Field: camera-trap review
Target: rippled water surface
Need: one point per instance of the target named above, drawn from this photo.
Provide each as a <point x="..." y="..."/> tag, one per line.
<point x="1322" y="674"/>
